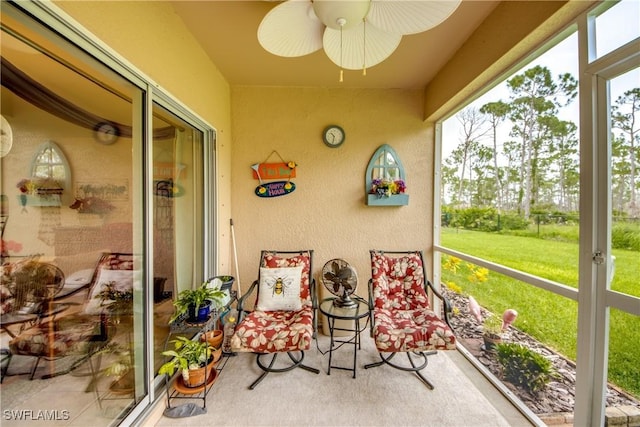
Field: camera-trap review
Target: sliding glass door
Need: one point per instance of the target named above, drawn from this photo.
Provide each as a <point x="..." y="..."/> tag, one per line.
<point x="102" y="182"/>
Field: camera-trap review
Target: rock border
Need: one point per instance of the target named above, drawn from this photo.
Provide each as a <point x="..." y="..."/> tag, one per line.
<point x="555" y="405"/>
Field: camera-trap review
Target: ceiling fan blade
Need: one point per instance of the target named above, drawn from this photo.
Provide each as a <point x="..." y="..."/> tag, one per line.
<point x="409" y="17"/>
<point x="291" y="29"/>
<point x="355" y="55"/>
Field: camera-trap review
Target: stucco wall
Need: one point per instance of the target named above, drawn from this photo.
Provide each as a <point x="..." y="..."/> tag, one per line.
<point x="152" y="37"/>
<point x="327" y="211"/>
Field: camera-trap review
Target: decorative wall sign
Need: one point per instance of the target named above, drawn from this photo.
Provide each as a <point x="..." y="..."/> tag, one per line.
<point x="275" y="189"/>
<point x="112" y="190"/>
<point x="169" y="170"/>
<point x="274" y="171"/>
<point x="266" y="170"/>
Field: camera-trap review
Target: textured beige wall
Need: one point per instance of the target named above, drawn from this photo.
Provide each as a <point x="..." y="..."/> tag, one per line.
<point x="151" y="36"/>
<point x="327" y="211"/>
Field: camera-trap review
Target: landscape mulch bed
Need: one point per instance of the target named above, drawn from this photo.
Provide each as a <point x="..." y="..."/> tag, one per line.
<point x="559" y="395"/>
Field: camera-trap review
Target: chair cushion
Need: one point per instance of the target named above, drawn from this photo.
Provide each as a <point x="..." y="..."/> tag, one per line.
<point x="279" y="289"/>
<point x="62" y="337"/>
<point x="411" y="330"/>
<point x="274" y="331"/>
<point x="398" y="282"/>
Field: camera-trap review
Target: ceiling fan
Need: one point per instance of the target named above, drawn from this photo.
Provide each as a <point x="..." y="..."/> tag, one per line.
<point x="355" y="34"/>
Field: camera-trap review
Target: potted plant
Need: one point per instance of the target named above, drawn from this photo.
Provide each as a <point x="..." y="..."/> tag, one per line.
<point x="120" y="368"/>
<point x="118" y="302"/>
<point x="224" y="282"/>
<point x="192" y="357"/>
<point x="491" y="332"/>
<point x="198" y="301"/>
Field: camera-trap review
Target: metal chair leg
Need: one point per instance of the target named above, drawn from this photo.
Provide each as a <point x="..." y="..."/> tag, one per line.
<point x="414" y="367"/>
<point x="297" y="363"/>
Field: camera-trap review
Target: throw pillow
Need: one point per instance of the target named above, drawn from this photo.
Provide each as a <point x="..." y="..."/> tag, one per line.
<point x="279" y="289"/>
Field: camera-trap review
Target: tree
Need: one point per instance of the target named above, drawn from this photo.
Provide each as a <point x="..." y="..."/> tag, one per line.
<point x="534" y="96"/>
<point x="497" y="113"/>
<point x="562" y="143"/>
<point x="472" y="122"/>
<point x="624" y="118"/>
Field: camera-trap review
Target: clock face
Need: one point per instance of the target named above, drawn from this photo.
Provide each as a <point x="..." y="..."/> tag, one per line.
<point x="6" y="137"/>
<point x="106" y="133"/>
<point x="333" y="136"/>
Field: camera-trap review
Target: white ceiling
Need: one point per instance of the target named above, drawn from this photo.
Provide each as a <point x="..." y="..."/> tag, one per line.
<point x="227" y="31"/>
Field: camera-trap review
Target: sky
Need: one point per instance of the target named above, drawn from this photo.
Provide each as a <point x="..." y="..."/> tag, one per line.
<point x="617" y="26"/>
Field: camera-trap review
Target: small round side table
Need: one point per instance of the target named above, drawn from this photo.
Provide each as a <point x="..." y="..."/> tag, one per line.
<point x="333" y="313"/>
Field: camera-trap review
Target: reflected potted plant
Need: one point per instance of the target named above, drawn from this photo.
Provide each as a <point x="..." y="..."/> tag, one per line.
<point x="120" y="368"/>
<point x="117" y="302"/>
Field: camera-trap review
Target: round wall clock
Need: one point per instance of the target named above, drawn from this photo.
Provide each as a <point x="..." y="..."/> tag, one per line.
<point x="333" y="136"/>
<point x="6" y="137"/>
<point x="106" y="133"/>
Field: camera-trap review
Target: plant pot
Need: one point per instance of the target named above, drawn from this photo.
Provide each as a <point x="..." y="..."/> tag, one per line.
<point x="216" y="354"/>
<point x="200" y="315"/>
<point x="227" y="282"/>
<point x="214" y="338"/>
<point x="490" y="341"/>
<point x="123" y="385"/>
<point x="196" y="377"/>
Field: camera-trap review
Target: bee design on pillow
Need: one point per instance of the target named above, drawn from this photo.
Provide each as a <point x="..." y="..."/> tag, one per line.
<point x="280" y="285"/>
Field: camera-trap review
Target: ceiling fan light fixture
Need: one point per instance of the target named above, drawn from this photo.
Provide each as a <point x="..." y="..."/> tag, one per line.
<point x="355" y="34"/>
<point x="349" y="12"/>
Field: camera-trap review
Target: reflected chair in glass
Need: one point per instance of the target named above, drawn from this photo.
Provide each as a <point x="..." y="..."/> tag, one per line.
<point x="81" y="335"/>
<point x="27" y="290"/>
<point x="284" y="319"/>
<point x="402" y="320"/>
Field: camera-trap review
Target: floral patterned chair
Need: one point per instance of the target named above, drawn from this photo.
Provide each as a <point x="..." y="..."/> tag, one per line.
<point x="284" y="318"/>
<point x="401" y="318"/>
<point x="80" y="335"/>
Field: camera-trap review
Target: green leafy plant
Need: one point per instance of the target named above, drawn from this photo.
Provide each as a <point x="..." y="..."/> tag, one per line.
<point x="121" y="362"/>
<point x="524" y="367"/>
<point x="115" y="300"/>
<point x="197" y="298"/>
<point x="187" y="354"/>
<point x="492" y="326"/>
<point x="491" y="332"/>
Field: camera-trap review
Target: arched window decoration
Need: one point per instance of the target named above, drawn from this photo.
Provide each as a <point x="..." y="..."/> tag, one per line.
<point x="50" y="175"/>
<point x="385" y="183"/>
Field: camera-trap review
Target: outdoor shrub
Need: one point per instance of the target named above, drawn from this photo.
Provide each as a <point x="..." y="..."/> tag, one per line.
<point x="482" y="219"/>
<point x="625" y="237"/>
<point x="513" y="222"/>
<point x="524" y="367"/>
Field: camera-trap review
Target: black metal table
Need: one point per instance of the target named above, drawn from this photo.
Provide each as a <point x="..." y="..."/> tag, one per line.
<point x="355" y="314"/>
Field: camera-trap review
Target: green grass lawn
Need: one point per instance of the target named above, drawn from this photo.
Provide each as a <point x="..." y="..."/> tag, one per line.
<point x="548" y="317"/>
